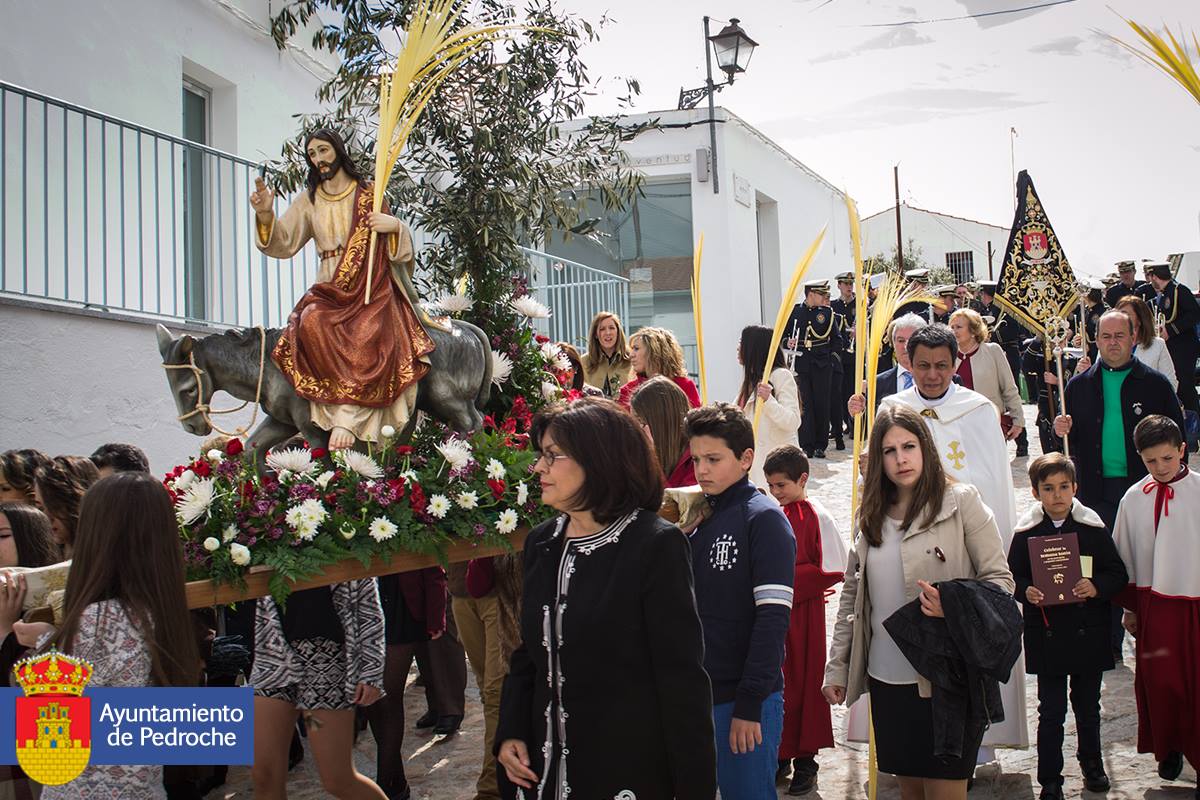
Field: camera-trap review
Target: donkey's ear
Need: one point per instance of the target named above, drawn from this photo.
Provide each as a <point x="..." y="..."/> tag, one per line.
<point x="165" y="340"/>
<point x="185" y="344"/>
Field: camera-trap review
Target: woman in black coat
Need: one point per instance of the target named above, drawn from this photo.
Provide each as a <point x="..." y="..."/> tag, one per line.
<point x="607" y="696"/>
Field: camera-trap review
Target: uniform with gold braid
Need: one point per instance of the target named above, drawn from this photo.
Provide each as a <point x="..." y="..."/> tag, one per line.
<point x="54" y="720"/>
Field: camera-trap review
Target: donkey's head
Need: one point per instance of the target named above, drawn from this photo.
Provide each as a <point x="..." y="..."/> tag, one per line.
<point x="190" y="395"/>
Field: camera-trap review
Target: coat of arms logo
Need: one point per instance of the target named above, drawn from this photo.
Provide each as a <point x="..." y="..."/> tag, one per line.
<point x="54" y="720"/>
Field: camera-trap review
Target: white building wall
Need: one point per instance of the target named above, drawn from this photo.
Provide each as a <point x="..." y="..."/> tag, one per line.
<point x="936" y="235"/>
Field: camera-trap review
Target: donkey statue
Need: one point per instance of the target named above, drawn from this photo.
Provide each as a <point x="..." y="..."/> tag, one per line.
<point x="455" y="390"/>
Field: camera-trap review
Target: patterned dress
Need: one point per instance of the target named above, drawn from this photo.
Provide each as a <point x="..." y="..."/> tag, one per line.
<point x="110" y="640"/>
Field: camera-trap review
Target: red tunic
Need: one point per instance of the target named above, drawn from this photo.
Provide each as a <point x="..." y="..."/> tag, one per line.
<point x="807" y="724"/>
<point x="682" y="381"/>
<point x="684" y="473"/>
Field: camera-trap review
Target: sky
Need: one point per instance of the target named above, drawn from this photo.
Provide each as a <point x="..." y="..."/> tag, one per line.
<point x="1112" y="145"/>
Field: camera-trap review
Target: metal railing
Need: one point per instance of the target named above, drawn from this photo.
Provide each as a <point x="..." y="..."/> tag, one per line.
<point x="575" y="293"/>
<point x="106" y="214"/>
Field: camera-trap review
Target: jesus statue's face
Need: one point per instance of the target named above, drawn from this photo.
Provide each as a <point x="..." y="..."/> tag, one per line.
<point x="324" y="157"/>
<point x="932" y="369"/>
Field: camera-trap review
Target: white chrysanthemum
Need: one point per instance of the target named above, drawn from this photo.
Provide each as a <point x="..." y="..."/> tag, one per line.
<point x="362" y="463"/>
<point x="439" y="506"/>
<point x="550" y="391"/>
<point x="467" y="500"/>
<point x="409" y="475"/>
<point x="502" y="367"/>
<point x="195" y="502"/>
<point x="215" y="455"/>
<point x="561" y="362"/>
<point x="212" y="544"/>
<point x="454" y="303"/>
<point x="527" y="306"/>
<point x="240" y="554"/>
<point x="507" y="523"/>
<point x="382" y="529"/>
<point x="306" y="531"/>
<point x="230" y="533"/>
<point x="313" y="509"/>
<point x="456" y="452"/>
<point x="522" y="493"/>
<point x="294" y="459"/>
<point x="347" y="530"/>
<point x="184" y="480"/>
<point x="388" y="431"/>
<point x="324" y="478"/>
<point x="550" y="351"/>
<point x="495" y="470"/>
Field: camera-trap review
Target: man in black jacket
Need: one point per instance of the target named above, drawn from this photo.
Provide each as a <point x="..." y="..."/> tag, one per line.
<point x="1180" y="314"/>
<point x="1128" y="285"/>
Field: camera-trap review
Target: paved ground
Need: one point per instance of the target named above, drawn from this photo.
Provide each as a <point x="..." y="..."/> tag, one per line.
<point x="446" y="770"/>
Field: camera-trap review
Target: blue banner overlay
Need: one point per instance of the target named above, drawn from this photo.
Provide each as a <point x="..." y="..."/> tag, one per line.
<point x="211" y="725"/>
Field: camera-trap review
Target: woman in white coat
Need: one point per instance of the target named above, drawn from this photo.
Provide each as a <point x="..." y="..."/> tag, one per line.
<point x="983" y="367"/>
<point x="1149" y="348"/>
<point x="780" y="397"/>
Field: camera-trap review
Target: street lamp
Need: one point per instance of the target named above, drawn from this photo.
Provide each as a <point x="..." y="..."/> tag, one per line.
<point x="733" y="49"/>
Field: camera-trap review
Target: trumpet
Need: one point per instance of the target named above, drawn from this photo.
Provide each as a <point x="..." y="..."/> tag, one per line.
<point x="792" y="352"/>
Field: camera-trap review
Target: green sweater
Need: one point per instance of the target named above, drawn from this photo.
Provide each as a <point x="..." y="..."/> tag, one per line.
<point x="1112" y="432"/>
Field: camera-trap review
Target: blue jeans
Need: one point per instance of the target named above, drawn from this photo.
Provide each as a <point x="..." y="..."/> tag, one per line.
<point x="749" y="776"/>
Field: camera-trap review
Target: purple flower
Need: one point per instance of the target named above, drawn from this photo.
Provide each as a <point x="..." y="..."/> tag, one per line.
<point x="303" y="491"/>
<point x="479" y="529"/>
<point x="263" y="506"/>
<point x="228" y="469"/>
<point x="275" y="533"/>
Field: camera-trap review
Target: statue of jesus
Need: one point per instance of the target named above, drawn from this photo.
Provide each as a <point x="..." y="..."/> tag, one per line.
<point x="357" y="364"/>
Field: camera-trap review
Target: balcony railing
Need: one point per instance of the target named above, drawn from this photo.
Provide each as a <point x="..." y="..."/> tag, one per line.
<point x="101" y="213"/>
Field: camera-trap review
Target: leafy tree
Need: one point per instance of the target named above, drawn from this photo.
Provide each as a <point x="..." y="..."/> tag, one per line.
<point x="913" y="259"/>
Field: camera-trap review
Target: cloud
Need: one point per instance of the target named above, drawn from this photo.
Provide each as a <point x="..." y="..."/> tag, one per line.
<point x="913" y="106"/>
<point x="1063" y="46"/>
<point x="888" y="40"/>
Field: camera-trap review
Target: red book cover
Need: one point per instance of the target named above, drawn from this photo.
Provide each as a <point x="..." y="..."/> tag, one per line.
<point x="1055" y="565"/>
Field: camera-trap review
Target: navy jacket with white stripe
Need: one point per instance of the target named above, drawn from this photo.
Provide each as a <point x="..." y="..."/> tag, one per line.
<point x="743" y="559"/>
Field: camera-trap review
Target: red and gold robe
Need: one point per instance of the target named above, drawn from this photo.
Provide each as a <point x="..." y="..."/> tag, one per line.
<point x="1158" y="537"/>
<point x="820" y="563"/>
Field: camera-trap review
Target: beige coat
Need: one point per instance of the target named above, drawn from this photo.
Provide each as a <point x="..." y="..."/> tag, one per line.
<point x="966" y="534"/>
<point x="778" y="422"/>
<point x="994" y="380"/>
<point x="609" y="375"/>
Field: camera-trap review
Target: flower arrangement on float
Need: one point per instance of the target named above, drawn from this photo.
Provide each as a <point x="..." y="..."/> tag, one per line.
<point x="313" y="509"/>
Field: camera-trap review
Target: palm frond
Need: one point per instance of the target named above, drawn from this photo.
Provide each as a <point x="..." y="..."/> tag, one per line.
<point x="698" y="318"/>
<point x="1168" y="54"/>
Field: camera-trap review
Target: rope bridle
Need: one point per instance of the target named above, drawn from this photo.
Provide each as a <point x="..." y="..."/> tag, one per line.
<point x="204" y="409"/>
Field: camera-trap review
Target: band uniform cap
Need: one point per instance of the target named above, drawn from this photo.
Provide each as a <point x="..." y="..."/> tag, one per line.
<point x="1094" y="283"/>
<point x="845" y="277"/>
<point x="820" y="287"/>
<point x="987" y="286"/>
<point x="1110" y="279"/>
<point x="877" y="279"/>
<point x="917" y="274"/>
<point x="946" y="291"/>
<point x="1160" y="269"/>
<point x="1125" y="266"/>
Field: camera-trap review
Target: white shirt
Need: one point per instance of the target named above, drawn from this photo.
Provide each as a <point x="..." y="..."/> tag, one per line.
<point x="885" y="577"/>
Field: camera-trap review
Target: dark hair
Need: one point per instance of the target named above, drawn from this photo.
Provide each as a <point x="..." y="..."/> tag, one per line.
<point x="722" y="421"/>
<point x="131" y="512"/>
<point x="1095" y="296"/>
<point x="31" y="534"/>
<point x="121" y="458"/>
<point x="313" y="179"/>
<point x="787" y="460"/>
<point x="1155" y="430"/>
<point x="662" y="406"/>
<point x="878" y="490"/>
<point x="754" y="346"/>
<point x="573" y="356"/>
<point x="1144" y="316"/>
<point x="1050" y="464"/>
<point x="62" y="485"/>
<point x="19" y="468"/>
<point x="621" y="471"/>
<point x="933" y="336"/>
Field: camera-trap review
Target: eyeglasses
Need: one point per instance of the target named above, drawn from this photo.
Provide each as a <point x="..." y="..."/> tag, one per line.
<point x="549" y="458"/>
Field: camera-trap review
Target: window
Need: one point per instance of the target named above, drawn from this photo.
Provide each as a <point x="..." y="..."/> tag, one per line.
<point x="961" y="266"/>
<point x="196" y="104"/>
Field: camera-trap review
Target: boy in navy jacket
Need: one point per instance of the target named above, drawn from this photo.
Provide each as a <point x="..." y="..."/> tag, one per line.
<point x="742" y="559"/>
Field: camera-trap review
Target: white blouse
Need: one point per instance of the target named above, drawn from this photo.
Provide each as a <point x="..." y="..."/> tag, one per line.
<point x="1156" y="357"/>
<point x="885" y="577"/>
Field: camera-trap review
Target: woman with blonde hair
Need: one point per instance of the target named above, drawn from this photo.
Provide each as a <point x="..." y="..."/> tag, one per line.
<point x="661" y="407"/>
<point x="1149" y="348"/>
<point x="606" y="363"/>
<point x="919" y="531"/>
<point x="656" y="351"/>
<point x="983" y="367"/>
<point x="780" y="397"/>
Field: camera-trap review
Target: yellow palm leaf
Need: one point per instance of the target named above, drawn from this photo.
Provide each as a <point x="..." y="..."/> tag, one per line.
<point x="894" y="293"/>
<point x="1167" y="54"/>
<point x="860" y="340"/>
<point x="698" y="318"/>
<point x="785" y="311"/>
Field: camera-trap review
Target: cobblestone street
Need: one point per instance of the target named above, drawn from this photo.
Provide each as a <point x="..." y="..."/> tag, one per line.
<point x="446" y="769"/>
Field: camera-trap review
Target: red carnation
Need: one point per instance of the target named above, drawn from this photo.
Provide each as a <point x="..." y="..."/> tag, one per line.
<point x="498" y="488"/>
<point x="234" y="447"/>
<point x="541" y="339"/>
<point x="201" y="468"/>
<point x="397" y="486"/>
<point x="416" y="498"/>
<point x="404" y="450"/>
<point x="319" y="452"/>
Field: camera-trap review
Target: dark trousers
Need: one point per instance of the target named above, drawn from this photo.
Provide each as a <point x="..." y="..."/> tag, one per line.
<point x="837" y="404"/>
<point x="443" y="663"/>
<point x="1052" y="714"/>
<point x="1114" y="490"/>
<point x="1184" y="350"/>
<point x="814" y="407"/>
